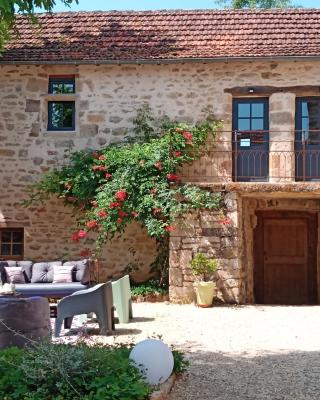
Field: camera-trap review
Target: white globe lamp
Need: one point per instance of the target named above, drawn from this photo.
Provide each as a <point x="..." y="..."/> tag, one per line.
<point x="154" y="359"/>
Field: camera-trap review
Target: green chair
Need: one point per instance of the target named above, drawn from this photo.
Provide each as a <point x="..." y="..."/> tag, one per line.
<point x="121" y="293"/>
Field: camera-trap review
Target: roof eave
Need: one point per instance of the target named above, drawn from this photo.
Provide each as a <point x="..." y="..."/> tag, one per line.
<point x="162" y="60"/>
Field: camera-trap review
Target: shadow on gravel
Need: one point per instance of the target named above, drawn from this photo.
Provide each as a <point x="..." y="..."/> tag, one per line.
<point x="220" y="376"/>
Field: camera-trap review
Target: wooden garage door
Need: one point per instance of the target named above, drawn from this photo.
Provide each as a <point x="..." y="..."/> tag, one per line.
<point x="285" y="258"/>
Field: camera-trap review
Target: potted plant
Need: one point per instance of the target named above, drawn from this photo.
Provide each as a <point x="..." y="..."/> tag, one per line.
<point x="204" y="267"/>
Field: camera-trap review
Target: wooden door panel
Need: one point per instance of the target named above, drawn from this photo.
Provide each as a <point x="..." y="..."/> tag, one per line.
<point x="285" y="258"/>
<point x="285" y="284"/>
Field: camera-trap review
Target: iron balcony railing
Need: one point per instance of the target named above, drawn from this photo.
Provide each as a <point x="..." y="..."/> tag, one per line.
<point x="258" y="157"/>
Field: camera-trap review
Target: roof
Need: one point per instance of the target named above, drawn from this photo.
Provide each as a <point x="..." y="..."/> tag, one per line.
<point x="155" y="36"/>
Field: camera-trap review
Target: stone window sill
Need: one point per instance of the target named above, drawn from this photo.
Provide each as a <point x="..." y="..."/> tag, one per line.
<point x="60" y="134"/>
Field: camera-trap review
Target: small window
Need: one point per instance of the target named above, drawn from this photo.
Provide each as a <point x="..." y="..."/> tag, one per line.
<point x="61" y="85"/>
<point x="61" y="115"/>
<point x="61" y="112"/>
<point x="11" y="243"/>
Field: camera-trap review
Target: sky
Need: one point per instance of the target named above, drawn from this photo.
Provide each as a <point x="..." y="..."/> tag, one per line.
<point x="91" y="5"/>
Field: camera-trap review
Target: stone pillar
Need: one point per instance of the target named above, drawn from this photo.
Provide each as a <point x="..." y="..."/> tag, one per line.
<point x="282" y="126"/>
<point x="216" y="234"/>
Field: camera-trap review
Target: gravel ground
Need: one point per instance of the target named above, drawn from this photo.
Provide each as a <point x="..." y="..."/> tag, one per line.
<point x="236" y="353"/>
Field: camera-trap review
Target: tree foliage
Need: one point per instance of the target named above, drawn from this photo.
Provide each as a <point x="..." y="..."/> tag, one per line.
<point x="237" y="4"/>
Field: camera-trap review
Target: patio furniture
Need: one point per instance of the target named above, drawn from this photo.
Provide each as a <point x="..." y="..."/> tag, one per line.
<point x="38" y="278"/>
<point x="23" y="320"/>
<point x="97" y="299"/>
<point x="121" y="293"/>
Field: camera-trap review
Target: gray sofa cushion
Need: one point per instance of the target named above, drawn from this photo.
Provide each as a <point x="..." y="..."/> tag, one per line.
<point x="49" y="289"/>
<point x="81" y="272"/>
<point x="27" y="269"/>
<point x="43" y="272"/>
<point x="3" y="264"/>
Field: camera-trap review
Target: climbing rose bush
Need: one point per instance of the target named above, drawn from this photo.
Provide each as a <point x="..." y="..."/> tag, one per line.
<point x="111" y="187"/>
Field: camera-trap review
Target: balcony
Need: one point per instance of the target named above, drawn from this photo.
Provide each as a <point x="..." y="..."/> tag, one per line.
<point x="250" y="159"/>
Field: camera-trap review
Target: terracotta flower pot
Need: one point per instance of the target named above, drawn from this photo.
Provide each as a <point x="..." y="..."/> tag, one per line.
<point x="204" y="293"/>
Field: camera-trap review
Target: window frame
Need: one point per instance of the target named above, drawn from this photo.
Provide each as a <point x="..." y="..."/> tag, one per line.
<point x="11" y="256"/>
<point x="52" y="128"/>
<point x="300" y="117"/>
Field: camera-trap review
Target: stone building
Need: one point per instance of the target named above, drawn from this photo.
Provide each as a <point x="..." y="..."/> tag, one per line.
<point x="75" y="81"/>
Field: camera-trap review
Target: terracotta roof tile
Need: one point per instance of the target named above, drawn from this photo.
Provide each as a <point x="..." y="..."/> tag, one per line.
<point x="160" y="35"/>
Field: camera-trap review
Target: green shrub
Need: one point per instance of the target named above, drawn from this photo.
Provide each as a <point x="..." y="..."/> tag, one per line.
<point x="148" y="288"/>
<point x="67" y="372"/>
<point x="49" y="371"/>
<point x="203" y="266"/>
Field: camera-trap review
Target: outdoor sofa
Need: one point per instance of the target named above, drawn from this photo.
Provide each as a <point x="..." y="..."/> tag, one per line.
<point x="39" y="277"/>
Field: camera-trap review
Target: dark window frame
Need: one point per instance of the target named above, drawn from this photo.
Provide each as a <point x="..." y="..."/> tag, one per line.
<point x="63" y="129"/>
<point x="11" y="256"/>
<point x="62" y="79"/>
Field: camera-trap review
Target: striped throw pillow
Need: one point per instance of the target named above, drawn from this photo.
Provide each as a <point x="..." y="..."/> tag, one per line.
<point x="62" y="273"/>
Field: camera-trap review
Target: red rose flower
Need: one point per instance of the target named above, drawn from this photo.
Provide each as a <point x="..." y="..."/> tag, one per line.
<point x="115" y="204"/>
<point x="135" y="214"/>
<point x="102" y="157"/>
<point x="173" y="177"/>
<point x="82" y="234"/>
<point x="119" y="220"/>
<point x="187" y="135"/>
<point x="92" y="224"/>
<point x="108" y="176"/>
<point x="169" y="228"/>
<point x="121" y="195"/>
<point x="156" y="210"/>
<point x="122" y="214"/>
<point x="85" y="253"/>
<point x="102" y="168"/>
<point x="158" y="165"/>
<point x="177" y="153"/>
<point x="225" y="221"/>
<point x="102" y="214"/>
<point x="75" y="237"/>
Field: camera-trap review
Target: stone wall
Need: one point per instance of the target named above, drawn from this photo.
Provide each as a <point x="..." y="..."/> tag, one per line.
<point x="217" y="234"/>
<point x="107" y="97"/>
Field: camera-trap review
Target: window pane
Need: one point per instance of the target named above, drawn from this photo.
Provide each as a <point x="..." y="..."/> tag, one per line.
<point x="257" y="110"/>
<point x="6" y="236"/>
<point x="61" y="85"/>
<point x="61" y="115"/>
<point x="244" y="124"/>
<point x="305" y="124"/>
<point x="244" y="110"/>
<point x="17" y="237"/>
<point x="62" y="88"/>
<point x="304" y="110"/>
<point x="5" y="249"/>
<point x="17" y="249"/>
<point x="257" y="124"/>
<point x="313" y="112"/>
